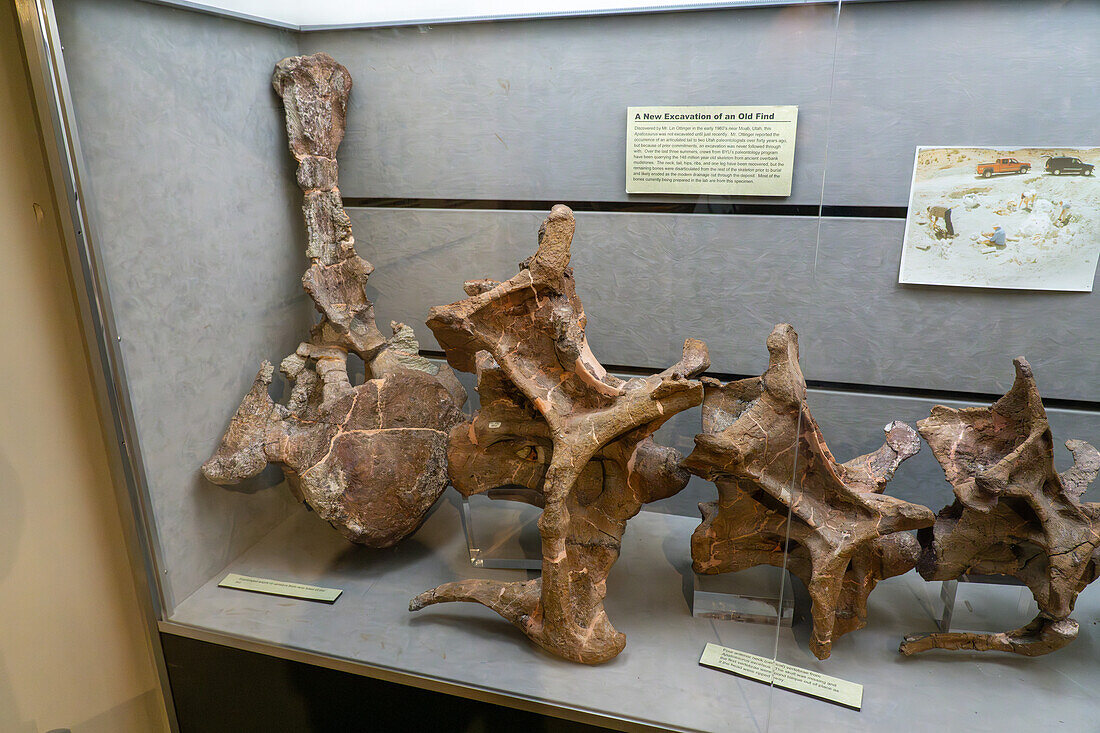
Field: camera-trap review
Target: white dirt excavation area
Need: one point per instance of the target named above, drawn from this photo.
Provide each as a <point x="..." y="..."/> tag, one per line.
<point x="1026" y="218"/>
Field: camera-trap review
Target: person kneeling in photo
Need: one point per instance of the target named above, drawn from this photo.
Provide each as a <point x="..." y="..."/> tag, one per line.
<point x="995" y="238"/>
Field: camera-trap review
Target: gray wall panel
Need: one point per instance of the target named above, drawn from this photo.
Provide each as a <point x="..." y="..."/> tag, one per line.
<point x="951" y="72"/>
<point x="537" y="109"/>
<point x="869" y="329"/>
<point x="192" y="193"/>
<point x="648" y="281"/>
<point x="534" y="110"/>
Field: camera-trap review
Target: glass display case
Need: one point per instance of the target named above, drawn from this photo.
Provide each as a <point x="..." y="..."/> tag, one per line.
<point x="837" y="349"/>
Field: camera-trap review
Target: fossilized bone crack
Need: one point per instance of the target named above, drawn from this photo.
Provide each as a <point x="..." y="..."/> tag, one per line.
<point x="370" y="458"/>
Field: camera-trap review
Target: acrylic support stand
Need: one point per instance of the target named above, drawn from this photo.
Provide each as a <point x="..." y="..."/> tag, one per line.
<point x="502" y="529"/>
<point x="985" y="603"/>
<point x="749" y="596"/>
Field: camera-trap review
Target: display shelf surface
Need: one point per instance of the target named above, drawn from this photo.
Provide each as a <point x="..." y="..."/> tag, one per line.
<point x="656" y="681"/>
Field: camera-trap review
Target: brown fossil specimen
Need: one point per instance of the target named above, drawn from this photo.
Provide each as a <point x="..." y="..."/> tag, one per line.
<point x="1013" y="515"/>
<point x="552" y="420"/>
<point x="780" y="487"/>
<point x="370" y="458"/>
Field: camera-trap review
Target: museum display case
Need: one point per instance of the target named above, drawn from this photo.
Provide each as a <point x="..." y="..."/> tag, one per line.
<point x="651" y="337"/>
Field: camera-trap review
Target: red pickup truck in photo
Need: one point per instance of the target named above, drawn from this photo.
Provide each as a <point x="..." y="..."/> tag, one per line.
<point x="1002" y="165"/>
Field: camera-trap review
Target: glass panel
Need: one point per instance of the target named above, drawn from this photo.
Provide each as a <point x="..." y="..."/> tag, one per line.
<point x="759" y="595"/>
<point x="936" y="139"/>
<point x="502" y="530"/>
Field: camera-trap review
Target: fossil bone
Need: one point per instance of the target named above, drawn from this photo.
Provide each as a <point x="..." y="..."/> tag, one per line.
<point x="371" y="458"/>
<point x="780" y="487"/>
<point x="552" y="420"/>
<point x="1013" y="515"/>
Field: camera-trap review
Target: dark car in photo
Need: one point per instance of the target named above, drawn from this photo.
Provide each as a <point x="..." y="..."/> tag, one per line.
<point x="1062" y="164"/>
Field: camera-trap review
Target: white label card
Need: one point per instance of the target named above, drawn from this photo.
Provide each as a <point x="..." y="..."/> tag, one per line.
<point x="736" y="151"/>
<point x="280" y="588"/>
<point x="789" y="677"/>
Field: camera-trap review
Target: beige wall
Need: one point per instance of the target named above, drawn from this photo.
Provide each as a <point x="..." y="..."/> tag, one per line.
<point x="73" y="651"/>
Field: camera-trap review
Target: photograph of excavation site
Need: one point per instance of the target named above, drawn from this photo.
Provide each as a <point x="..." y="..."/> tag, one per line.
<point x="998" y="217"/>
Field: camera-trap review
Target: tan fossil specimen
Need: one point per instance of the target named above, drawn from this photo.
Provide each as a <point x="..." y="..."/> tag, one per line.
<point x="780" y="487"/>
<point x="369" y="458"/>
<point x="1013" y="515"/>
<point x="554" y="421"/>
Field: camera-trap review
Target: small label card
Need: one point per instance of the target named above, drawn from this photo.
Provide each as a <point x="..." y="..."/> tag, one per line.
<point x="280" y="588"/>
<point x="738" y="151"/>
<point x="796" y="679"/>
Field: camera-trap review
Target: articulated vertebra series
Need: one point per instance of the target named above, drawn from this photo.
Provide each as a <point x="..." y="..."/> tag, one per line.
<point x="373" y="458"/>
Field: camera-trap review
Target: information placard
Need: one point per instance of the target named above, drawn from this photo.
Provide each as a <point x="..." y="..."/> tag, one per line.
<point x="737" y="151"/>
<point x="789" y="677"/>
<point x="280" y="588"/>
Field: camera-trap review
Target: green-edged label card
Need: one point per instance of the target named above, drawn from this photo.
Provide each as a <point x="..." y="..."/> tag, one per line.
<point x="789" y="677"/>
<point x="280" y="588"/>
